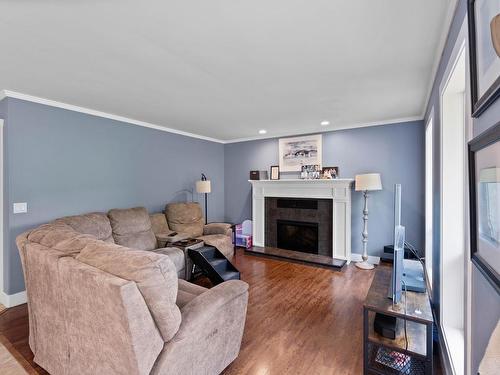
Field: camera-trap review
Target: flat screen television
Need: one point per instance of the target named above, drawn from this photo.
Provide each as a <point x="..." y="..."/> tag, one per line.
<point x="399" y="244"/>
<point x="409" y="273"/>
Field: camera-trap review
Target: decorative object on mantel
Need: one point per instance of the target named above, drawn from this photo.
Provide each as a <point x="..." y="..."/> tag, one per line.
<point x="329" y="173"/>
<point x="365" y="183"/>
<point x="310" y="172"/>
<point x="484" y="190"/>
<point x="297" y="151"/>
<point x="275" y="172"/>
<point x="258" y="175"/>
<point x="203" y="186"/>
<point x="484" y="38"/>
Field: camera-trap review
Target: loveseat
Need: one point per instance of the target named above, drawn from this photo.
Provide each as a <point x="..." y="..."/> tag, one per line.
<point x="103" y="299"/>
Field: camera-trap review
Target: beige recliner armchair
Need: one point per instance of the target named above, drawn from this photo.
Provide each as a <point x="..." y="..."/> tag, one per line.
<point x="187" y="220"/>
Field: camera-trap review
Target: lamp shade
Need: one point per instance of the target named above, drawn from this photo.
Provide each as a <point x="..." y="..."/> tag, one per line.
<point x="203" y="186"/>
<point x="369" y="181"/>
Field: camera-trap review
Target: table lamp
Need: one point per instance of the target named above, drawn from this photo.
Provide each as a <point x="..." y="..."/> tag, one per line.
<point x="365" y="183"/>
<point x="203" y="186"/>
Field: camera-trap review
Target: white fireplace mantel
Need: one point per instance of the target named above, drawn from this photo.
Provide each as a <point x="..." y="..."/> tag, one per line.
<point x="338" y="190"/>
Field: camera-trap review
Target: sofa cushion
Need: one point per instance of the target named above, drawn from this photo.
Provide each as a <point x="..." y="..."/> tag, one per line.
<point x="187" y="291"/>
<point x="159" y="223"/>
<point x="185" y="218"/>
<point x="177" y="257"/>
<point x="61" y="237"/>
<point x="154" y="274"/>
<point x="95" y="224"/>
<point x="132" y="228"/>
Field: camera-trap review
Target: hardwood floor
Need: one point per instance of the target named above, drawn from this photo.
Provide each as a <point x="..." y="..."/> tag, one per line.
<point x="301" y="320"/>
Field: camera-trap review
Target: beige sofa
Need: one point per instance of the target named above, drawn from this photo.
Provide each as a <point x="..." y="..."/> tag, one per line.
<point x="102" y="299"/>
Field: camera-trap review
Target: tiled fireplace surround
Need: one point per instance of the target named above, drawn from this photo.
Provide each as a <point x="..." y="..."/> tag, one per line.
<point x="300" y="211"/>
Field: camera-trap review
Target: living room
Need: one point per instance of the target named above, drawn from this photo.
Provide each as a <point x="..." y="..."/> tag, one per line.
<point x="140" y="140"/>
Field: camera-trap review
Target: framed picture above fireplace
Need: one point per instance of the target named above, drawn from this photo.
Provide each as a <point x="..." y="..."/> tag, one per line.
<point x="298" y="151"/>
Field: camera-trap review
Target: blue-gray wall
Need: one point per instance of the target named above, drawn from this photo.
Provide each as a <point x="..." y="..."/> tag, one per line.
<point x="485" y="301"/>
<point x="394" y="150"/>
<point x="63" y="163"/>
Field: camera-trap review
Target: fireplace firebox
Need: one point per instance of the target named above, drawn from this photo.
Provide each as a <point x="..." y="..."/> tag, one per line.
<point x="298" y="236"/>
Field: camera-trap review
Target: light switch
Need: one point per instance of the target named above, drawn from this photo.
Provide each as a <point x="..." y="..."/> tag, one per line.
<point x="20" y="208"/>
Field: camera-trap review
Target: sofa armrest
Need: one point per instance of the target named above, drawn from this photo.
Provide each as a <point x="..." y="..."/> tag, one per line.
<point x="217" y="228"/>
<point x="202" y="309"/>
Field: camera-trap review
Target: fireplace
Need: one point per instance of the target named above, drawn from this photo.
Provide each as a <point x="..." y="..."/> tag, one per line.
<point x="298" y="236"/>
<point x="333" y="213"/>
<point x="299" y="224"/>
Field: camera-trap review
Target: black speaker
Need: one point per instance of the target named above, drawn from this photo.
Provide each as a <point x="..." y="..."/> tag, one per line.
<point x="385" y="325"/>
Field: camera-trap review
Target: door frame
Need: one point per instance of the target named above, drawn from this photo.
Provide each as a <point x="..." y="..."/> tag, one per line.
<point x="460" y="46"/>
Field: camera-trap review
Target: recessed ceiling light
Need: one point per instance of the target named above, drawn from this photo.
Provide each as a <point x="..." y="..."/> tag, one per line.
<point x="262" y="131"/>
<point x="325" y="123"/>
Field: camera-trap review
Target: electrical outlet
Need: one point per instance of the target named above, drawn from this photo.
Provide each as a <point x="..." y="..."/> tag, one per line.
<point x="20" y="208"/>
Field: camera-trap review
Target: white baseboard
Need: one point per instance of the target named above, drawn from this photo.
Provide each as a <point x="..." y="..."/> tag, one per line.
<point x="11" y="300"/>
<point x="371" y="259"/>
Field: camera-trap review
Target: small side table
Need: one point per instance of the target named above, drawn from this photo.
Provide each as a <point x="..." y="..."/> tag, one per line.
<point x="164" y="239"/>
<point x="412" y="355"/>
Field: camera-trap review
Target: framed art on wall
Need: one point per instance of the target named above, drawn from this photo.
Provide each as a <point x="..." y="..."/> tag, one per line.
<point x="484" y="44"/>
<point x="298" y="151"/>
<point x="484" y="190"/>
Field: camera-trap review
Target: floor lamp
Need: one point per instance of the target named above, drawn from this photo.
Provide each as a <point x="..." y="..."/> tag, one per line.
<point x="365" y="183"/>
<point x="203" y="186"/>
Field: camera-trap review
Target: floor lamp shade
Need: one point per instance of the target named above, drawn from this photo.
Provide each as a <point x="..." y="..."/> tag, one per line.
<point x="203" y="186"/>
<point x="369" y="181"/>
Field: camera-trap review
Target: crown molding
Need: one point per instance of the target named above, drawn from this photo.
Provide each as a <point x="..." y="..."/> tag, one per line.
<point x="328" y="129"/>
<point x="71" y="107"/>
<point x="92" y="112"/>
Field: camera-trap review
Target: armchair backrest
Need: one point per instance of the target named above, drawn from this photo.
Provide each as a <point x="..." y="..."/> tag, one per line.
<point x="95" y="224"/>
<point x="132" y="228"/>
<point x="185" y="218"/>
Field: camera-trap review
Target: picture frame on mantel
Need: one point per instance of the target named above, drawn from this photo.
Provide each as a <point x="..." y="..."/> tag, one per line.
<point x="275" y="172"/>
<point x="294" y="152"/>
<point x="484" y="56"/>
<point x="484" y="196"/>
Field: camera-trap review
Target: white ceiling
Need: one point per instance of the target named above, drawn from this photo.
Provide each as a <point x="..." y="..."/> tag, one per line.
<point x="227" y="68"/>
